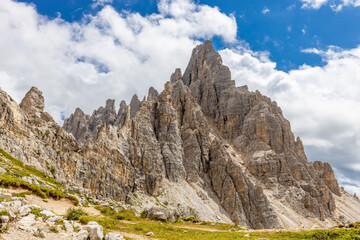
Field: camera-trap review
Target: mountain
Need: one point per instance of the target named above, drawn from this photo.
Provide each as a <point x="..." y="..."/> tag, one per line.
<point x="202" y="147"/>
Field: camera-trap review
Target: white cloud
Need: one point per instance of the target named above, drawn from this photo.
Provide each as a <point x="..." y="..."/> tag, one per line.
<point x="108" y="55"/>
<point x="265" y="10"/>
<point x="97" y="3"/>
<point x="313" y="3"/>
<point x="114" y="55"/>
<point x="322" y="103"/>
<point x="336" y="5"/>
<point x="350" y="185"/>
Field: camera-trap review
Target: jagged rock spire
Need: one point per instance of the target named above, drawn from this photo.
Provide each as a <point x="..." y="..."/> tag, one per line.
<point x="134" y="105"/>
<point x="33" y="102"/>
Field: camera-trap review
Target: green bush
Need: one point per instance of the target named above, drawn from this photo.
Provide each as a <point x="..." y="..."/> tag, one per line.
<point x="75" y="213"/>
<point x="36" y="212"/>
<point x="4" y="213"/>
<point x="54" y="229"/>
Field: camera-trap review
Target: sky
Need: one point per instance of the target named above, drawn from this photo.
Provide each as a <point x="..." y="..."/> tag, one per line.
<point x="304" y="54"/>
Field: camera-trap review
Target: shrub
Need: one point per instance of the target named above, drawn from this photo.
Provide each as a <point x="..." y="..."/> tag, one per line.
<point x="36" y="212"/>
<point x="75" y="213"/>
<point x="4" y="213"/>
<point x="54" y="229"/>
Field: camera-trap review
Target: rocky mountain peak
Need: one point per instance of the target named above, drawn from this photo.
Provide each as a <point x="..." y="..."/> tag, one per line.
<point x="176" y="76"/>
<point x="134" y="105"/>
<point x="33" y="102"/>
<point x="152" y="94"/>
<point x="203" y="145"/>
<point x="33" y="106"/>
<point x="206" y="65"/>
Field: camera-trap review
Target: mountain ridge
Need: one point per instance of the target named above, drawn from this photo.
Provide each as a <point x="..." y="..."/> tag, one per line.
<point x="203" y="145"/>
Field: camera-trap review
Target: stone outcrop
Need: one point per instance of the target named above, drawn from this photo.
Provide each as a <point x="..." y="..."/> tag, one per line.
<point x="230" y="149"/>
<point x="33" y="106"/>
<point x="45" y="224"/>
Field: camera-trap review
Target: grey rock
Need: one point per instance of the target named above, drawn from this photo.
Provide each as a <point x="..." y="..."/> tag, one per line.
<point x="12" y="215"/>
<point x="152" y="94"/>
<point x="82" y="235"/>
<point x="113" y="236"/>
<point x="77" y="124"/>
<point x="161" y="214"/>
<point x="121" y="117"/>
<point x="15" y="206"/>
<point x="150" y="234"/>
<point x="4" y="219"/>
<point x="176" y="76"/>
<point x="95" y="230"/>
<point x="27" y="223"/>
<point x="134" y="105"/>
<point x="33" y="102"/>
<point x="33" y="106"/>
<point x="53" y="219"/>
<point x="24" y="210"/>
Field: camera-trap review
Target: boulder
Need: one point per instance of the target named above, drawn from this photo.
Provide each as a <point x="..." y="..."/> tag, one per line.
<point x="161" y="214"/>
<point x="24" y="210"/>
<point x="15" y="206"/>
<point x="95" y="230"/>
<point x="113" y="236"/>
<point x="47" y="213"/>
<point x="27" y="223"/>
<point x="82" y="235"/>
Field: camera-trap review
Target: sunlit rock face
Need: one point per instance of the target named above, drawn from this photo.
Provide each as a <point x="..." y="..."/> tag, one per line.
<point x="230" y="149"/>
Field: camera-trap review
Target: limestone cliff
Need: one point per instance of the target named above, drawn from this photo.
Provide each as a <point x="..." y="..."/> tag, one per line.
<point x="204" y="146"/>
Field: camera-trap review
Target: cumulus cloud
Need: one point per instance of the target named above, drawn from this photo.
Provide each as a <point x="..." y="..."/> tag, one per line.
<point x="313" y="3"/>
<point x="97" y="3"/>
<point x="321" y="102"/>
<point x="106" y="55"/>
<point x="336" y="5"/>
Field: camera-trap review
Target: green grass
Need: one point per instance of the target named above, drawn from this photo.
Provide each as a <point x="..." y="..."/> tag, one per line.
<point x="206" y="230"/>
<point x="36" y="212"/>
<point x="4" y="213"/>
<point x="106" y="222"/>
<point x="54" y="229"/>
<point x="30" y="170"/>
<point x="123" y="214"/>
<point x="44" y="192"/>
<point x="75" y="213"/>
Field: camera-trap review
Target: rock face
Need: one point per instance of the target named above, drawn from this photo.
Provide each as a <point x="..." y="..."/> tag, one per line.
<point x="33" y="102"/>
<point x="214" y="150"/>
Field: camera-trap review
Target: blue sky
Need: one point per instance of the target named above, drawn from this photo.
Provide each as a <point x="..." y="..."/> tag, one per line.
<point x="304" y="54"/>
<point x="281" y="27"/>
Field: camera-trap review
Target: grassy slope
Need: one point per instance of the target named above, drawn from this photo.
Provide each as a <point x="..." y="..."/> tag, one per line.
<point x="17" y="169"/>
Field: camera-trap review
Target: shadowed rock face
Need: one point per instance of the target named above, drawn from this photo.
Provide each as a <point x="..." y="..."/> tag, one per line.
<point x="201" y="130"/>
